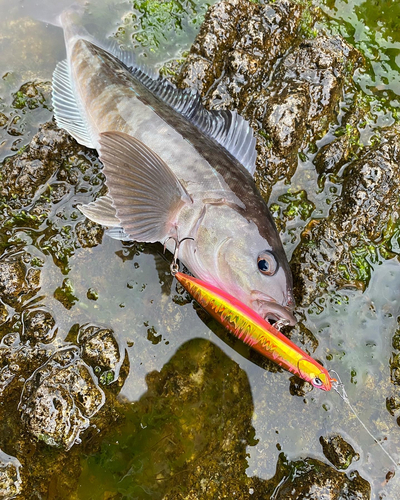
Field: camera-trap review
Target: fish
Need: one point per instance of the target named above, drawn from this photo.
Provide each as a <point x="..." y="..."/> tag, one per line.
<point x="175" y="171"/>
<point x="254" y="331"/>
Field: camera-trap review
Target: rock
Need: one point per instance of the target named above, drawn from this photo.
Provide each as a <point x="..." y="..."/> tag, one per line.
<point x="338" y="451"/>
<point x="312" y="479"/>
<point x="17" y="280"/>
<point x="65" y="294"/>
<point x="10" y="479"/>
<point x="334" y="253"/>
<point x="39" y="326"/>
<point x="332" y="156"/>
<point x="184" y="431"/>
<point x="89" y="233"/>
<point x="17" y="362"/>
<point x="59" y="399"/>
<point x="23" y="174"/>
<point x="99" y="349"/>
<point x="32" y="95"/>
<point x="299" y="387"/>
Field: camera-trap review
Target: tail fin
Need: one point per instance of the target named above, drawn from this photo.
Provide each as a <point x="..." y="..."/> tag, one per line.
<point x="50" y="13"/>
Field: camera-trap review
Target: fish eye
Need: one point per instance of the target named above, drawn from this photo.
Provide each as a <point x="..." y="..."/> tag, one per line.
<point x="267" y="263"/>
<point x="317" y="382"/>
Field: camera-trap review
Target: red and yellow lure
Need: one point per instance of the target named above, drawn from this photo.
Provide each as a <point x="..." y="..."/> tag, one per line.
<point x="249" y="327"/>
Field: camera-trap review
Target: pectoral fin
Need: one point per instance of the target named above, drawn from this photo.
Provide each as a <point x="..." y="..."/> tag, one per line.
<point x="146" y="194"/>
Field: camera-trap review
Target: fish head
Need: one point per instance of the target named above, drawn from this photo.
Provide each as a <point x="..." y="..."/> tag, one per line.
<point x="249" y="263"/>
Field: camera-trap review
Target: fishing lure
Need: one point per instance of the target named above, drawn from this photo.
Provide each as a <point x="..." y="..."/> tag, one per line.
<point x="252" y="329"/>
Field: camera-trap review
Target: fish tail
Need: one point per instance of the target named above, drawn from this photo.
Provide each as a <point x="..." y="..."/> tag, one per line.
<point x="70" y="20"/>
<point x="51" y="13"/>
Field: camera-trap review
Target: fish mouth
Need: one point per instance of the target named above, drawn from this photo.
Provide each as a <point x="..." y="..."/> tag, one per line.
<point x="269" y="309"/>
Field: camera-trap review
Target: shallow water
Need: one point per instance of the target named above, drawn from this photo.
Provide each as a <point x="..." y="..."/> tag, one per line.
<point x="354" y="330"/>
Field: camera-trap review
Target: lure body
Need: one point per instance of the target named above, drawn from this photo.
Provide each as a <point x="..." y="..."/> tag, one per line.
<point x="252" y="329"/>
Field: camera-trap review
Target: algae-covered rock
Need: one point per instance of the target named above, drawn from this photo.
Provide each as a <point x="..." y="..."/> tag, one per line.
<point x="336" y="252"/>
<point x="39" y="326"/>
<point x="187" y="435"/>
<point x="338" y="451"/>
<point x="59" y="399"/>
<point x="18" y="280"/>
<point x="10" y="479"/>
<point x="312" y="479"/>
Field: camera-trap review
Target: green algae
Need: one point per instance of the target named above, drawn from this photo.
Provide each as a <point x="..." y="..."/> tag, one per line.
<point x="162" y="26"/>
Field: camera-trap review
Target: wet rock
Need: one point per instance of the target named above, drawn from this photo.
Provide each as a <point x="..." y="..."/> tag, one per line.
<point x="65" y="294"/>
<point x="23" y="174"/>
<point x="10" y="479"/>
<point x="310" y="478"/>
<point x="336" y="252"/>
<point x="236" y="37"/>
<point x="32" y="95"/>
<point x="259" y="63"/>
<point x="17" y="362"/>
<point x="99" y="348"/>
<point x="89" y="233"/>
<point x="17" y="279"/>
<point x="338" y="451"/>
<point x="59" y="399"/>
<point x="39" y="326"/>
<point x="331" y="157"/>
<point x="299" y="387"/>
<point x="3" y="313"/>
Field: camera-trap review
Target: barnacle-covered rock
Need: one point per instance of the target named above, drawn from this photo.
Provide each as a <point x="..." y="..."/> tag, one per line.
<point x="338" y="451"/>
<point x="59" y="399"/>
<point x="336" y="252"/>
<point x="10" y="479"/>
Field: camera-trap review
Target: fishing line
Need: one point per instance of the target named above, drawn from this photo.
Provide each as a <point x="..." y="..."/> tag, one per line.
<point x="338" y="387"/>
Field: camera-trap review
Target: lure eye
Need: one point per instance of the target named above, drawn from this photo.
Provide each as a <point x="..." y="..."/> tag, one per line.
<point x="267" y="264"/>
<point x="317" y="382"/>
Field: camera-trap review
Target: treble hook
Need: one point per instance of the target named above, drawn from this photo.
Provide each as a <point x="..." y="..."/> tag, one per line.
<point x="174" y="267"/>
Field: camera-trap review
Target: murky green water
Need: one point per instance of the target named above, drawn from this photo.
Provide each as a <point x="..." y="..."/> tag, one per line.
<point x="152" y="322"/>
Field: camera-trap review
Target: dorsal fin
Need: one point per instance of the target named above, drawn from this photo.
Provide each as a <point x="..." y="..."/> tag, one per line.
<point x="129" y="59"/>
<point x="228" y="128"/>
